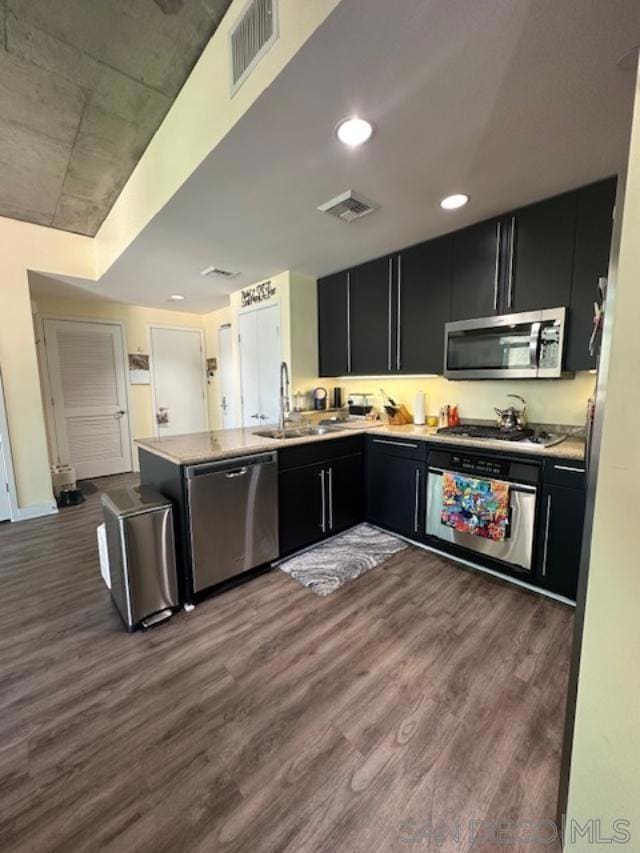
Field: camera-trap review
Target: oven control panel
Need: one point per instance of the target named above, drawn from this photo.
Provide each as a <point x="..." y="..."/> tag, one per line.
<point x="497" y="467"/>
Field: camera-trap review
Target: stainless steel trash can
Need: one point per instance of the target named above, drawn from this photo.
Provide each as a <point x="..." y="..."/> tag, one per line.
<point x="142" y="563"/>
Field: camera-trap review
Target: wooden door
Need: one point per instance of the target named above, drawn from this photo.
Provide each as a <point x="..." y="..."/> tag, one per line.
<point x="86" y="369"/>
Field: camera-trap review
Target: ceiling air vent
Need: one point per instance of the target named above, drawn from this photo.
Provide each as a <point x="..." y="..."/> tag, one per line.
<point x="218" y="273"/>
<point x="349" y="206"/>
<point x="251" y="37"/>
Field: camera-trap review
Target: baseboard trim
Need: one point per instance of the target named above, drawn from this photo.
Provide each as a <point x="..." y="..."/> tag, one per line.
<point x="36" y="511"/>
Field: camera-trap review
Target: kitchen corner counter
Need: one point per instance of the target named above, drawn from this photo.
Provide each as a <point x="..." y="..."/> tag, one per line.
<point x="201" y="447"/>
<point x="198" y="447"/>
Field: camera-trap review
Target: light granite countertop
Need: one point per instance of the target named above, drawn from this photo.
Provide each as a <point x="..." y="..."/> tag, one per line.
<point x="225" y="444"/>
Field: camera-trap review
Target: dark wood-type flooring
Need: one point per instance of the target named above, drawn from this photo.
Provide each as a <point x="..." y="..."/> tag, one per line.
<point x="270" y="719"/>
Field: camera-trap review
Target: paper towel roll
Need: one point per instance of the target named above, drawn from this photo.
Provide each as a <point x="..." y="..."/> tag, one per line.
<point x="419" y="409"/>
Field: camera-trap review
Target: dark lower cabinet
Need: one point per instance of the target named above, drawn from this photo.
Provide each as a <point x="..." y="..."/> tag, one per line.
<point x="560" y="539"/>
<point x="395" y="493"/>
<point x="320" y="499"/>
<point x="301" y="507"/>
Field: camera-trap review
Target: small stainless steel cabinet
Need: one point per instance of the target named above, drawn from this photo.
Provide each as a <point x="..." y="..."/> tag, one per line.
<point x="142" y="563"/>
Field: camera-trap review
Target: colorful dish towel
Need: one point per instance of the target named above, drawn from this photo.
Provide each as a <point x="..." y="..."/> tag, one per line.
<point x="478" y="507"/>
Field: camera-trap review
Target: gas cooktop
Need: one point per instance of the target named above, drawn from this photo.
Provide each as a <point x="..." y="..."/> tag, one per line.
<point x="474" y="431"/>
<point x="545" y="439"/>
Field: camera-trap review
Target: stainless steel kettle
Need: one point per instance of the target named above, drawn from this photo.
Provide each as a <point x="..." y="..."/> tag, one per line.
<point x="512" y="418"/>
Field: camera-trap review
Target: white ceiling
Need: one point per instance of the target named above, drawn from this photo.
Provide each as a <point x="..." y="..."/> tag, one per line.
<point x="506" y="100"/>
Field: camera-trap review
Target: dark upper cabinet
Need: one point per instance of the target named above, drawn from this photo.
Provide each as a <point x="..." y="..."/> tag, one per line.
<point x="539" y="255"/>
<point x="594" y="224"/>
<point x="477" y="262"/>
<point x="423" y="303"/>
<point x="333" y="324"/>
<point x="372" y="317"/>
<point x="560" y="537"/>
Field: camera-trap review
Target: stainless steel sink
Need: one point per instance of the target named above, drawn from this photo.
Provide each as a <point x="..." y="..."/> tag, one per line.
<point x="297" y="432"/>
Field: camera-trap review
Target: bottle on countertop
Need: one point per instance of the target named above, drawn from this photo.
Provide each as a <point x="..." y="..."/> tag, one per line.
<point x="419" y="406"/>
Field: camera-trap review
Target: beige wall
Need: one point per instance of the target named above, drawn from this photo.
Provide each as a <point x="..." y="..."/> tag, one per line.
<point x="23" y="247"/>
<point x="605" y="770"/>
<point x="137" y="321"/>
<point x="555" y="401"/>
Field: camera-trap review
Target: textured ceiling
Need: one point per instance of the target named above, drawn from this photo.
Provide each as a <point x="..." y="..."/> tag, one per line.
<point x="83" y="88"/>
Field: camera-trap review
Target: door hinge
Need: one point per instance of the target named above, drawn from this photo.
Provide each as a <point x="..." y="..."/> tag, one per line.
<point x="7" y="486"/>
<point x="53" y="402"/>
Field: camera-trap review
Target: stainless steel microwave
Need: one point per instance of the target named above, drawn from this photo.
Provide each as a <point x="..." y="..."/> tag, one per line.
<point x="512" y="346"/>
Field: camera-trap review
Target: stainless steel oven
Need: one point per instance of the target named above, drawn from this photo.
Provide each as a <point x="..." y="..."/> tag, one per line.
<point x="516" y="551"/>
<point x="529" y="345"/>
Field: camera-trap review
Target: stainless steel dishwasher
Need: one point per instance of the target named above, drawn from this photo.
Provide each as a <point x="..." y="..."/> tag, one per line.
<point x="233" y="516"/>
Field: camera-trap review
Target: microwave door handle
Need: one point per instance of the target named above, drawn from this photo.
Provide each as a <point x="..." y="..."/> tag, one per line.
<point x="534" y="344"/>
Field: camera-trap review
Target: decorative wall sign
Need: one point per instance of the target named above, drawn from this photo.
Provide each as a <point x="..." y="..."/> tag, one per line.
<point x="139" y="369"/>
<point x="258" y="293"/>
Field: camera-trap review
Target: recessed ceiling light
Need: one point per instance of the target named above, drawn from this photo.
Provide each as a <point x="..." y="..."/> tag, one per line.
<point x="176" y="297"/>
<point x="452" y="202"/>
<point x="354" y="131"/>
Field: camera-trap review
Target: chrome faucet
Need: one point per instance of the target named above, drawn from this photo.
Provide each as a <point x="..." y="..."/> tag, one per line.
<point x="284" y="395"/>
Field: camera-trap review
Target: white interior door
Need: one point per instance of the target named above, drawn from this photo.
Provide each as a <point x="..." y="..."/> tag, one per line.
<point x="260" y="357"/>
<point x="86" y="366"/>
<point x="5" y="508"/>
<point x="227" y="377"/>
<point x="269" y="360"/>
<point x="249" y="374"/>
<point x="179" y="389"/>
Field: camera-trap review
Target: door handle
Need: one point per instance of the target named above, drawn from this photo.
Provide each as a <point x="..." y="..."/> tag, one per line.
<point x="264" y="417"/>
<point x="330" y="475"/>
<point x="224" y="404"/>
<point x="545" y="549"/>
<point x="323" y="499"/>
<point x="496" y="274"/>
<point x="256" y="416"/>
<point x="511" y="253"/>
<point x="389" y="309"/>
<point x="416" y="509"/>
<point x="120" y="413"/>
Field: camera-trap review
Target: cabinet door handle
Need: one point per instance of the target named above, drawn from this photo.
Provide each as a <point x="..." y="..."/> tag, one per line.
<point x="398" y="310"/>
<point x="569" y="468"/>
<point x="330" y="476"/>
<point x="416" y="509"/>
<point x="348" y="322"/>
<point x="545" y="549"/>
<point x="323" y="500"/>
<point x="511" y="253"/>
<point x="390" y="289"/>
<point x="496" y="274"/>
<point x="395" y="443"/>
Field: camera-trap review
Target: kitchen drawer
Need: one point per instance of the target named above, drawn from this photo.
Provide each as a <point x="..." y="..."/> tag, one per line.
<point x="319" y="451"/>
<point x="565" y="472"/>
<point x="407" y="448"/>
